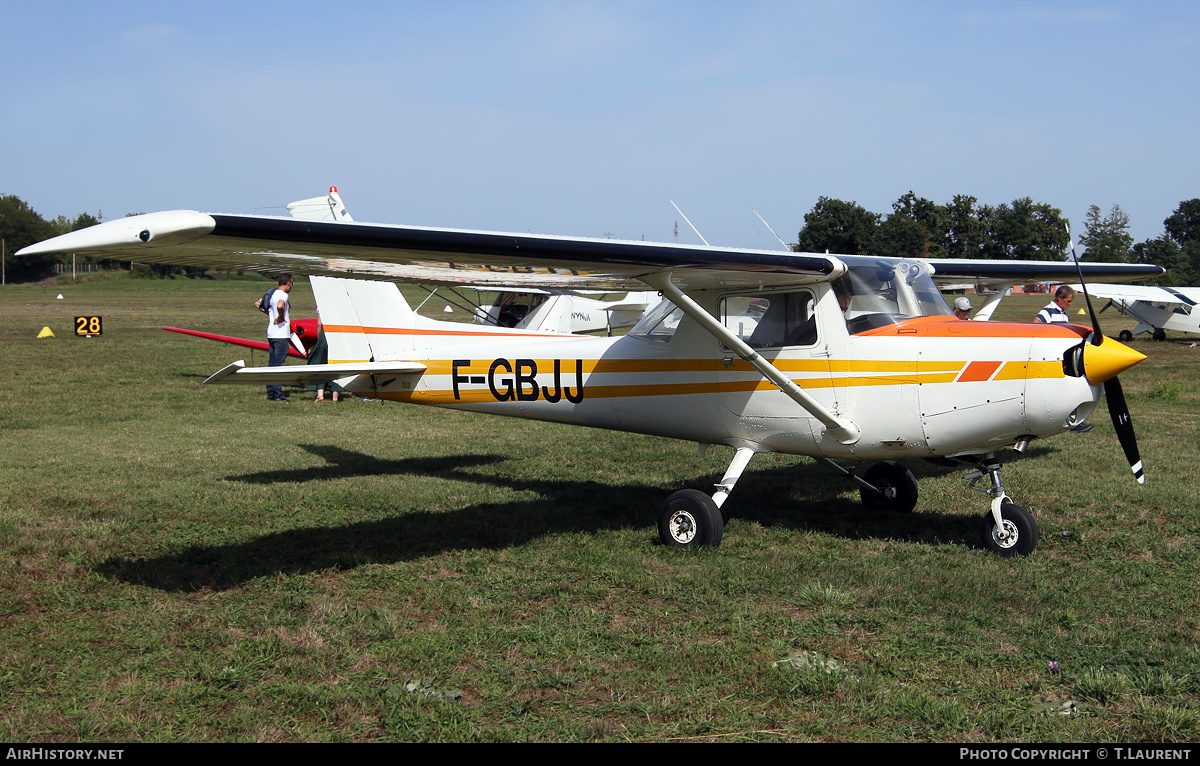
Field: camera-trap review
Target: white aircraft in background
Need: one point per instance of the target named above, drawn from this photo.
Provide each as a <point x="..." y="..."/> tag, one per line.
<point x="1155" y="308"/>
<point x="327" y="208"/>
<point x="557" y="310"/>
<point x="841" y="358"/>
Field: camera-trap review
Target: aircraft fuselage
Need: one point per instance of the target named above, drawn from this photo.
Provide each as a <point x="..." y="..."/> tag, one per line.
<point x="921" y="388"/>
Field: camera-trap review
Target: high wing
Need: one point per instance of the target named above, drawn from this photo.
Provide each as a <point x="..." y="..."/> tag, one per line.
<point x="1008" y="273"/>
<point x="1181" y="296"/>
<point x="274" y="245"/>
<point x="993" y="278"/>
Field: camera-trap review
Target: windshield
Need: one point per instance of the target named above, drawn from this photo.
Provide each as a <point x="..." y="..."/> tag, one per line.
<point x="875" y="292"/>
<point x="659" y="325"/>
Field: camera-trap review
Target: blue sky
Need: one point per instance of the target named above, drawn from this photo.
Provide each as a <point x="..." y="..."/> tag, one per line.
<point x="588" y="118"/>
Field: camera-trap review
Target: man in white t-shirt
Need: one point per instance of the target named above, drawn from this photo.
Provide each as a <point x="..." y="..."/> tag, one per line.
<point x="279" y="331"/>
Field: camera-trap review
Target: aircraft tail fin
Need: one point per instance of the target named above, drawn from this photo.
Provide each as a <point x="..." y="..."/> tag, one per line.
<point x="630" y="309"/>
<point x="552" y="316"/>
<point x="364" y="321"/>
<point x="327" y="208"/>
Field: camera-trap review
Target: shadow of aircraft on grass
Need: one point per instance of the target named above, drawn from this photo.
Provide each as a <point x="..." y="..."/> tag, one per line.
<point x="804" y="496"/>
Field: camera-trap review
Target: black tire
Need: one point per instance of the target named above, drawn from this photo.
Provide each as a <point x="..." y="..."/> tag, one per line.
<point x="1124" y="336"/>
<point x="898" y="484"/>
<point x="1160" y="334"/>
<point x="1021" y="531"/>
<point x="690" y="519"/>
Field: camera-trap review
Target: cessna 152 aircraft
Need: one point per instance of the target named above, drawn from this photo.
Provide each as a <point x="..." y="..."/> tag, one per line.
<point x="838" y="357"/>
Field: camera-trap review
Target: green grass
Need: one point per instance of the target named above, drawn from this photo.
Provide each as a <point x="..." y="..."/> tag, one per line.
<point x="188" y="563"/>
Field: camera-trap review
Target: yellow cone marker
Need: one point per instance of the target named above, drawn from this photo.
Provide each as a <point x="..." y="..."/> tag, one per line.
<point x="46" y="333"/>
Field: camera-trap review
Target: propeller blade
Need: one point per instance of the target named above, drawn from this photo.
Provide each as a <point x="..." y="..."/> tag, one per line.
<point x="1115" y="396"/>
<point x="1097" y="336"/>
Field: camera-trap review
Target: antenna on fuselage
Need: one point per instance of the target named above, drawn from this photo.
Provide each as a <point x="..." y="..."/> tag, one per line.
<point x="689" y="223"/>
<point x="764" y="220"/>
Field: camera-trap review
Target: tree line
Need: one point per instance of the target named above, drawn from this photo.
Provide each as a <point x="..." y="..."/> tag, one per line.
<point x="21" y="225"/>
<point x="1024" y="230"/>
<point x="916" y="228"/>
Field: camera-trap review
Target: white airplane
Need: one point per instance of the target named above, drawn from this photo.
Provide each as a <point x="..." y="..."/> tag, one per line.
<point x="1155" y="308"/>
<point x="557" y="310"/>
<point x="841" y="358"/>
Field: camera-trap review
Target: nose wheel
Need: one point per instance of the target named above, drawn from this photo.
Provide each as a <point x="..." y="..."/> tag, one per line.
<point x="1007" y="528"/>
<point x="1015" y="535"/>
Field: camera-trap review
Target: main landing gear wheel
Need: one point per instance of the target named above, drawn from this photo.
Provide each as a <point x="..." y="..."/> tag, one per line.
<point x="690" y="519"/>
<point x="1160" y="334"/>
<point x="1017" y="536"/>
<point x="897" y="485"/>
<point x="1125" y="336"/>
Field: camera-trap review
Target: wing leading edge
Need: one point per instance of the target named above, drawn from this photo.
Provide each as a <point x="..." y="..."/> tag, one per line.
<point x="1018" y="272"/>
<point x="273" y="245"/>
<point x="419" y="254"/>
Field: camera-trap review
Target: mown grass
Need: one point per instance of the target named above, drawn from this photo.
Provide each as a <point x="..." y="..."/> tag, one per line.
<point x="188" y="563"/>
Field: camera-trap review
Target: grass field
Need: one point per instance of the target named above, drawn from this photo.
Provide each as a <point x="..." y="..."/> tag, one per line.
<point x="189" y="563"/>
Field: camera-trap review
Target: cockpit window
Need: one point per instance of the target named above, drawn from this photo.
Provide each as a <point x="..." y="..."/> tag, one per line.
<point x="874" y="293"/>
<point x="510" y="309"/>
<point x="770" y="320"/>
<point x="660" y="324"/>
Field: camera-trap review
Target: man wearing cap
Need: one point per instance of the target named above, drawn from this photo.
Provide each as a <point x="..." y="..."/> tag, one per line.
<point x="962" y="307"/>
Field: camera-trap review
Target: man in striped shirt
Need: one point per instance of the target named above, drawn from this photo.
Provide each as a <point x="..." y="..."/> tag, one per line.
<point x="1055" y="311"/>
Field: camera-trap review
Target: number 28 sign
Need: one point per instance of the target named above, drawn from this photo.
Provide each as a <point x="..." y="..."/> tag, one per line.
<point x="89" y="326"/>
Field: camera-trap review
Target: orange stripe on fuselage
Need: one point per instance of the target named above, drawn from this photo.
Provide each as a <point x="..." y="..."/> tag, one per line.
<point x="978" y="371"/>
<point x="425" y="331"/>
<point x="950" y="327"/>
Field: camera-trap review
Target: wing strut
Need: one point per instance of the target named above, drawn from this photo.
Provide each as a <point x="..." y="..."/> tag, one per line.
<point x="1127" y="307"/>
<point x="839" y="429"/>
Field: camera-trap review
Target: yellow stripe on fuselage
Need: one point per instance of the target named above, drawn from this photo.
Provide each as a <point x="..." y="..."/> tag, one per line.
<point x="905" y="369"/>
<point x="870" y="373"/>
